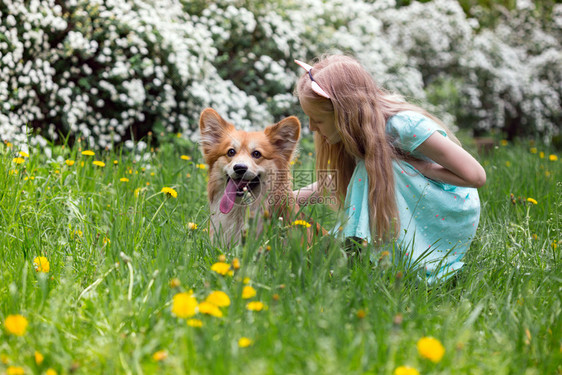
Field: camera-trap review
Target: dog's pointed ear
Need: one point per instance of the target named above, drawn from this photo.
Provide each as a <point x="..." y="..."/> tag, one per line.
<point x="213" y="128"/>
<point x="284" y="135"/>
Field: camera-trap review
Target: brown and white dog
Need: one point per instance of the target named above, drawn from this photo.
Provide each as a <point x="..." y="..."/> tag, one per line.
<point x="248" y="171"/>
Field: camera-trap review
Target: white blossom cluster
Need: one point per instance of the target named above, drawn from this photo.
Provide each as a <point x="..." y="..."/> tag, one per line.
<point x="106" y="70"/>
<point x="507" y="78"/>
<point x="109" y="70"/>
<point x="512" y="76"/>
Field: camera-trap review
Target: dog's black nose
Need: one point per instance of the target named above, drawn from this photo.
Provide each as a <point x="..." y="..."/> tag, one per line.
<point x="240" y="168"/>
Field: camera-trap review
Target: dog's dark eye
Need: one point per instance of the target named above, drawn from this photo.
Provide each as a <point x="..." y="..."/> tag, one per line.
<point x="231" y="152"/>
<point x="256" y="154"/>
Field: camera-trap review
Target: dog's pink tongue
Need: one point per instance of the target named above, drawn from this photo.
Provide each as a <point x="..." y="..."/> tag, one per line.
<point x="227" y="200"/>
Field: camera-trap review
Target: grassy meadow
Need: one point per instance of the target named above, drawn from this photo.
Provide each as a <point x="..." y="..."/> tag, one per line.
<point x="101" y="271"/>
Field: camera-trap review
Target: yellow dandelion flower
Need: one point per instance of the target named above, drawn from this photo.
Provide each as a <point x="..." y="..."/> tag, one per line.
<point x="9" y="144"/>
<point x="406" y="370"/>
<point x="38" y="357"/>
<point x="175" y="283"/>
<point x="221" y="268"/>
<point x="246" y="280"/>
<point x="16" y="324"/>
<point x="124" y="179"/>
<point x="248" y="292"/>
<point x="191" y="226"/>
<point x="531" y="200"/>
<point x="137" y="191"/>
<point x="188" y="175"/>
<point x="178" y="135"/>
<point x="255" y="306"/>
<point x="201" y="166"/>
<point x="553" y="157"/>
<point x="50" y="371"/>
<point x="184" y="305"/>
<point x="160" y="355"/>
<point x="222" y="258"/>
<point x="431" y="348"/>
<point x="169" y="192"/>
<point x="541" y="155"/>
<point x="41" y="264"/>
<point x="218" y="298"/>
<point x="195" y="323"/>
<point x="18" y="160"/>
<point x="554" y="245"/>
<point x="98" y="163"/>
<point x="244" y="342"/>
<point x="15" y="370"/>
<point x="88" y="153"/>
<point x="185" y="157"/>
<point x="69" y="162"/>
<point x="115" y="162"/>
<point x="361" y="314"/>
<point x="533" y="150"/>
<point x="302" y="223"/>
<point x="535" y="237"/>
<point x="24" y="154"/>
<point x="236" y="263"/>
<point x="503" y="142"/>
<point x="210" y="309"/>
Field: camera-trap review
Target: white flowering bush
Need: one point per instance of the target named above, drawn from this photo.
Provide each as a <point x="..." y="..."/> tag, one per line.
<point x="104" y="70"/>
<point x="507" y="78"/>
<point x="512" y="76"/>
<point x="433" y="35"/>
<point x="114" y="70"/>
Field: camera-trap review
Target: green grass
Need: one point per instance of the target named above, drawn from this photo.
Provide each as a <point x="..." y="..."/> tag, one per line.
<point x="105" y="306"/>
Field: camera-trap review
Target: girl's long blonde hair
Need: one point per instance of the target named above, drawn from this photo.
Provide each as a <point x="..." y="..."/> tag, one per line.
<point x="361" y="110"/>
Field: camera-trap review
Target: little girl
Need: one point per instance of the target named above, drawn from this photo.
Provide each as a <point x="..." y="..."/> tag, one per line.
<point x="402" y="175"/>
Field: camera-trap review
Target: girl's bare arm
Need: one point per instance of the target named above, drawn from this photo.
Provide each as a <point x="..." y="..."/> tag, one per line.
<point x="454" y="165"/>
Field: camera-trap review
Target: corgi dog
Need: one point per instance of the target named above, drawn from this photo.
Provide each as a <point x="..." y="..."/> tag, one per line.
<point x="247" y="171"/>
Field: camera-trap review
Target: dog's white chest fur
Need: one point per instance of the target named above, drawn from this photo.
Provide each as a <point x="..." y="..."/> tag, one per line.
<point x="228" y="228"/>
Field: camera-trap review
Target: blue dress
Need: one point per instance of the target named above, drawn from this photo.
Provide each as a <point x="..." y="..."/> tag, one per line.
<point x="437" y="221"/>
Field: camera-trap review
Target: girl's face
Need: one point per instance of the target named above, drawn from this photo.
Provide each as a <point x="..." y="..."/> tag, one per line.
<point x="321" y="122"/>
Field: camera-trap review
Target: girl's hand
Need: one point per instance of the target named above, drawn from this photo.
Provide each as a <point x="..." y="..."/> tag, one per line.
<point x="455" y="166"/>
<point x="303" y="195"/>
